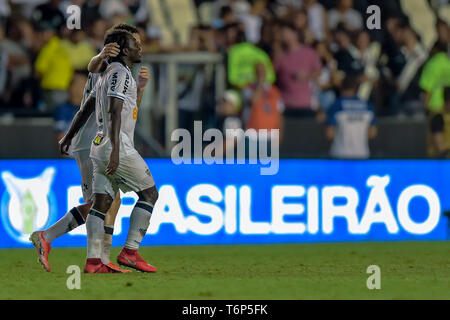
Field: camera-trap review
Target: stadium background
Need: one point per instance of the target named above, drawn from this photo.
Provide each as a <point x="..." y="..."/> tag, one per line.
<point x="192" y="48"/>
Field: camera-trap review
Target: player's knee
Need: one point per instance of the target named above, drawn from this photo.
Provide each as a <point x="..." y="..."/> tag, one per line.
<point x="102" y="202"/>
<point x="84" y="208"/>
<point x="151" y="195"/>
<point x="155" y="196"/>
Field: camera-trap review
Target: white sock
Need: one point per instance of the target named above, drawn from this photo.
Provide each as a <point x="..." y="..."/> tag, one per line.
<point x="107" y="242"/>
<point x="70" y="221"/>
<point x="95" y="231"/>
<point x="139" y="222"/>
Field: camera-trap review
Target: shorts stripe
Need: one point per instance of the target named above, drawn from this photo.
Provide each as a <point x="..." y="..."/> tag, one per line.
<point x="77" y="215"/>
<point x="97" y="214"/>
<point x="116" y="96"/>
<point x="144" y="205"/>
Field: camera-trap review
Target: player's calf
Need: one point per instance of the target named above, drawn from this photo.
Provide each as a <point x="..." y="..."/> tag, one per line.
<point x="139" y="222"/>
<point x="95" y="232"/>
<point x="42" y="239"/>
<point x="109" y="228"/>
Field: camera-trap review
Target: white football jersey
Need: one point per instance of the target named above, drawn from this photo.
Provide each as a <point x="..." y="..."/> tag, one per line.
<point x="117" y="81"/>
<point x="83" y="138"/>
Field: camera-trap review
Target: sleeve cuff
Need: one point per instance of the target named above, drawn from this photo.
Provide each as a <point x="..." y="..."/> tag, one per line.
<point x="116" y="96"/>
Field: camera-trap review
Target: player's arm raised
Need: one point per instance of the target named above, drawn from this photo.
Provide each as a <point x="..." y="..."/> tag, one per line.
<point x="144" y="76"/>
<point x="97" y="63"/>
<point x="115" y="109"/>
<point x="78" y="121"/>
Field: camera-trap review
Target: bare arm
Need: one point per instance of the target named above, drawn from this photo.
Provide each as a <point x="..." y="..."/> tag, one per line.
<point x="78" y="121"/>
<point x="115" y="110"/>
<point x="144" y="76"/>
<point x="140" y="93"/>
<point x="97" y="63"/>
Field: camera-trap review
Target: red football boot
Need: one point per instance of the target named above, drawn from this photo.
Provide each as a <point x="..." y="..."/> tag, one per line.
<point x="42" y="247"/>
<point x="95" y="265"/>
<point x="117" y="268"/>
<point x="131" y="258"/>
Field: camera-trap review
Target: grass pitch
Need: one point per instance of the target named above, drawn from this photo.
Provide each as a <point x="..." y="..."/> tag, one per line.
<point x="414" y="270"/>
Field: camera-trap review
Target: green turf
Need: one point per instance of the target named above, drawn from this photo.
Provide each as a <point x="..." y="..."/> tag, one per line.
<point x="318" y="271"/>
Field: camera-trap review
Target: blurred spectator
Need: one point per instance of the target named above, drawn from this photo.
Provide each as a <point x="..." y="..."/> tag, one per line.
<point x="347" y="56"/>
<point x="18" y="55"/>
<point x="53" y="68"/>
<point x="114" y="11"/>
<point x="226" y="17"/>
<point x="440" y="129"/>
<point x="79" y="49"/>
<point x="20" y="89"/>
<point x="48" y="15"/>
<point x="282" y="7"/>
<point x="253" y="21"/>
<point x="97" y="32"/>
<point x="268" y="40"/>
<point x="345" y="14"/>
<point x="433" y="81"/>
<point x="298" y="68"/>
<point x="368" y="52"/>
<point x="91" y="12"/>
<point x="5" y="10"/>
<point x="392" y="47"/>
<point x="150" y="38"/>
<point x="415" y="56"/>
<point x="443" y="32"/>
<point x="229" y="112"/>
<point x="202" y="39"/>
<point x="262" y="103"/>
<point x="435" y="77"/>
<point x="192" y="79"/>
<point x="350" y="123"/>
<point x="242" y="56"/>
<point x="330" y="78"/>
<point x="262" y="110"/>
<point x="139" y="9"/>
<point x="316" y="19"/>
<point x="300" y="19"/>
<point x="64" y="113"/>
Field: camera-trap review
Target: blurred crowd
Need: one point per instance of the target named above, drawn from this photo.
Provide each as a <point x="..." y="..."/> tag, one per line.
<point x="284" y="59"/>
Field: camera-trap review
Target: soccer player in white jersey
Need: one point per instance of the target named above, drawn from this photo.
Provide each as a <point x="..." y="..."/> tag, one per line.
<point x="117" y="164"/>
<point x="80" y="150"/>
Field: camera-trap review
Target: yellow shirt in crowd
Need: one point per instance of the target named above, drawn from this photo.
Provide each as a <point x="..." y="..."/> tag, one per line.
<point x="54" y="66"/>
<point x="79" y="53"/>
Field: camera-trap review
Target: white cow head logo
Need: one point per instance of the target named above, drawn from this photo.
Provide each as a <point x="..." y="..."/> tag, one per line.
<point x="28" y="208"/>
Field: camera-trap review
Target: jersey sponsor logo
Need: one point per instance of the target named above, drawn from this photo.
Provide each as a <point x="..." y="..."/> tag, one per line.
<point x="114" y="81"/>
<point x="27" y="204"/>
<point x="127" y="82"/>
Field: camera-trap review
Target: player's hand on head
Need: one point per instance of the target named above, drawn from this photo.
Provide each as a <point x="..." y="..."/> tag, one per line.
<point x="64" y="145"/>
<point x="144" y="77"/>
<point x="111" y="50"/>
<point x="113" y="163"/>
